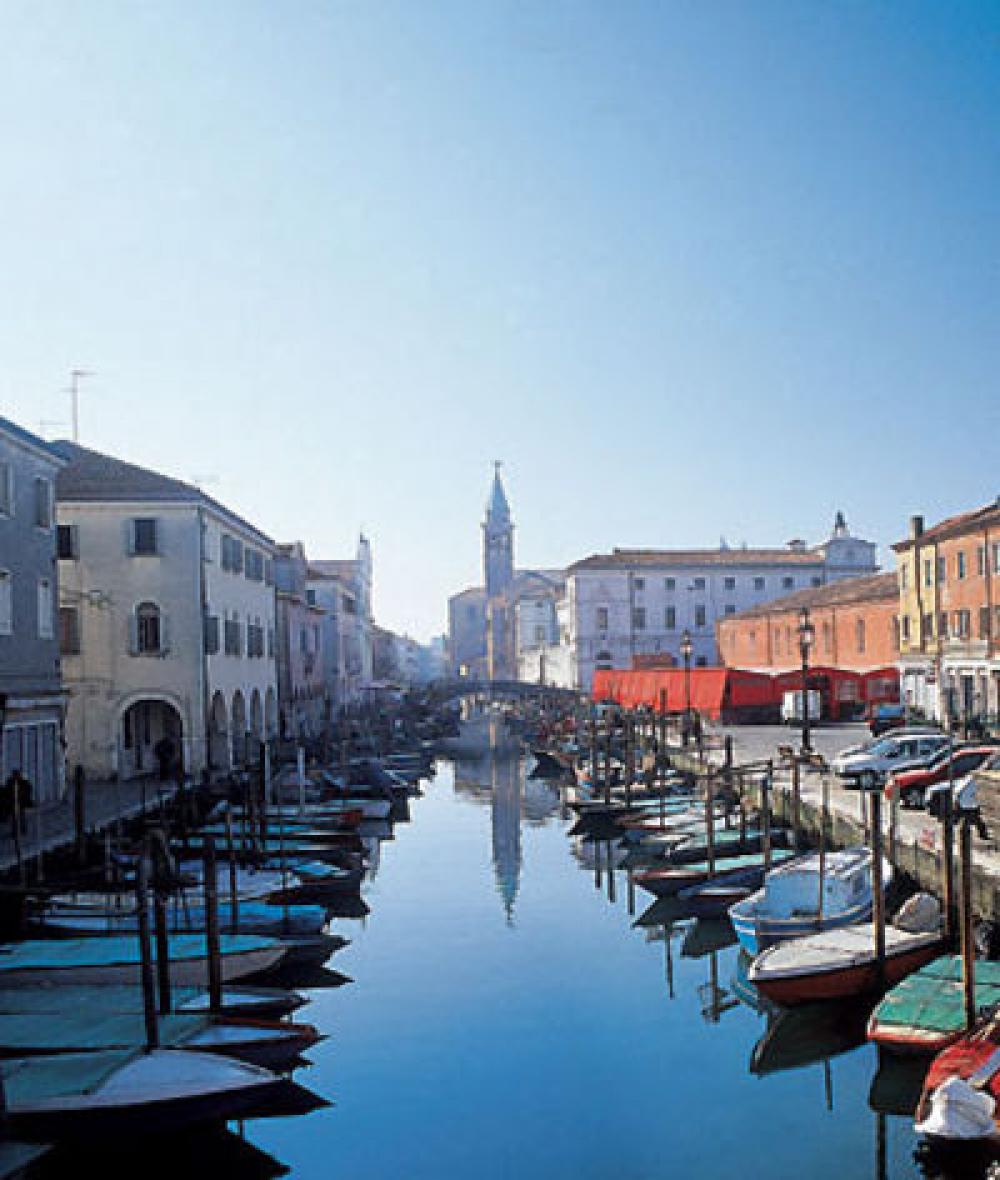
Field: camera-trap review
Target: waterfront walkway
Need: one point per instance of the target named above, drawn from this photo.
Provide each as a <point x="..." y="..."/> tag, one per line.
<point x="52" y="826"/>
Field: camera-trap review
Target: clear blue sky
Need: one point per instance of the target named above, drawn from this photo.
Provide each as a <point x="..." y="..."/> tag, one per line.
<point x="691" y="269"/>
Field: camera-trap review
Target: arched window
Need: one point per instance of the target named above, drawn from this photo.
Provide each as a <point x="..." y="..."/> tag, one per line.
<point x="149" y="629"/>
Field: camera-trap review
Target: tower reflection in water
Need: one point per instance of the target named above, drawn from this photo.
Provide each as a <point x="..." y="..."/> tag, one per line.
<point x="500" y="778"/>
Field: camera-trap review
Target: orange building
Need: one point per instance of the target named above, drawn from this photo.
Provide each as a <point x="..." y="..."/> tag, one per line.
<point x="949" y="587"/>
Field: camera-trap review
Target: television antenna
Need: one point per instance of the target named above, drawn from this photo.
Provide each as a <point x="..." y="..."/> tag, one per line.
<point x="75" y="377"/>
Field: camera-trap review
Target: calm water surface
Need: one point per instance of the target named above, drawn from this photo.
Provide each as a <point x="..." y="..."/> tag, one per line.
<point x="508" y="1019"/>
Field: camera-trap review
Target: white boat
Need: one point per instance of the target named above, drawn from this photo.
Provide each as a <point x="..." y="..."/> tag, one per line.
<point x="91" y="1095"/>
<point x="788" y="905"/>
<point x="251" y="885"/>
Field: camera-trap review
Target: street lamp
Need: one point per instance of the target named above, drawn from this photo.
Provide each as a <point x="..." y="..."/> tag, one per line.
<point x="807" y="634"/>
<point x="686" y="655"/>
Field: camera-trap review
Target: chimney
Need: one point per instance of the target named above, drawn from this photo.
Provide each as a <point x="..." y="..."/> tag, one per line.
<point x="916" y="527"/>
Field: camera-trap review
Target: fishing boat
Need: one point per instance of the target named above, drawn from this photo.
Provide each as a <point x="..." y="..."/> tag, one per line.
<point x="790" y="904"/>
<point x="838" y="964"/>
<point x="960" y="1096"/>
<point x="248" y="918"/>
<point x="117" y="999"/>
<point x="115" y="959"/>
<point x="726" y="843"/>
<point x="926" y="1011"/>
<point x="669" y="879"/>
<point x="714" y="897"/>
<point x="122" y="1092"/>
<point x="270" y="1043"/>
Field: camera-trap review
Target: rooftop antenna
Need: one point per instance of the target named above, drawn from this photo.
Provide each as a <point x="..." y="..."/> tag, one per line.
<point x="75" y="377"/>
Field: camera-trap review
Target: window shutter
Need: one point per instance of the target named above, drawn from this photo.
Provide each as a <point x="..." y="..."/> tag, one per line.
<point x="130" y="537"/>
<point x="164" y="632"/>
<point x="133" y="634"/>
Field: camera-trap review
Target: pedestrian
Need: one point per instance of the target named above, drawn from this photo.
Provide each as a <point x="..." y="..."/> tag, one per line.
<point x="18" y="796"/>
<point x="164" y="751"/>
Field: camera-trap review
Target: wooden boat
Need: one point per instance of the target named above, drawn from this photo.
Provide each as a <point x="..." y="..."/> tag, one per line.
<point x="788" y="904"/>
<point x="118" y="1092"/>
<point x="252" y="884"/>
<point x="270" y="1043"/>
<point x="117" y="999"/>
<point x="714" y="897"/>
<point x="247" y="918"/>
<point x="959" y="1100"/>
<point x="670" y="879"/>
<point x="115" y="959"/>
<point x="728" y="842"/>
<point x="926" y="1011"/>
<point x="838" y="964"/>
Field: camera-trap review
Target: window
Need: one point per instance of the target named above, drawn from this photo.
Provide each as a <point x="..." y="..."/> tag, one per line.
<point x="268" y="572"/>
<point x="984" y="622"/>
<point x="6" y="602"/>
<point x="903" y="576"/>
<point x="981" y="560"/>
<point x="45" y="609"/>
<point x="670" y="618"/>
<point x="67" y="542"/>
<point x="927" y="626"/>
<point x="941" y="569"/>
<point x="43" y="503"/>
<point x="232" y="554"/>
<point x="787" y="583"/>
<point x="539" y="635"/>
<point x="144" y="536"/>
<point x="943" y="625"/>
<point x="639" y="583"/>
<point x="961" y="624"/>
<point x="960" y="564"/>
<point x="6" y="489"/>
<point x="233" y="637"/>
<point x="758" y="583"/>
<point x="211" y="634"/>
<point x="602" y="618"/>
<point x="148" y="629"/>
<point x="905" y="628"/>
<point x="69" y="630"/>
<point x="253" y="565"/>
<point x="815" y="580"/>
<point x="860" y="634"/>
<point x="639" y="618"/>
<point x="928" y="572"/>
<point x="729" y="609"/>
<point x="311" y="601"/>
<point x="729" y="583"/>
<point x="699" y="583"/>
<point x="996" y="558"/>
<point x="670" y="585"/>
<point x="700" y="662"/>
<point x="699" y="616"/>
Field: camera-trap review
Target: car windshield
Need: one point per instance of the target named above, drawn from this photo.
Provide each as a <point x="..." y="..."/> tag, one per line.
<point x="886" y="746"/>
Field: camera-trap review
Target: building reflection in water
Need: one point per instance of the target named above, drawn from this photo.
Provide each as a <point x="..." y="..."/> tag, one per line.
<point x="500" y="779"/>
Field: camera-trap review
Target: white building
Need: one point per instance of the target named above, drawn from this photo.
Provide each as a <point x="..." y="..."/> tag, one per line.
<point x="343" y="589"/>
<point x="167" y="609"/>
<point x="636" y="603"/>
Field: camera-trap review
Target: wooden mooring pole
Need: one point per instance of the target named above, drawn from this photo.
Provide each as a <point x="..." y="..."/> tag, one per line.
<point x="878" y="894"/>
<point x="162" y="952"/>
<point x="212" y="943"/>
<point x="146" y="954"/>
<point x="968" y="942"/>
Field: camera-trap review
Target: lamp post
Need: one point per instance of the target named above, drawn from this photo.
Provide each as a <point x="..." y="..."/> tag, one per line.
<point x="807" y="633"/>
<point x="686" y="655"/>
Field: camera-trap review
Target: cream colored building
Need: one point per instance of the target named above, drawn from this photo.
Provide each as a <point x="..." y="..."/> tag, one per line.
<point x="167" y="621"/>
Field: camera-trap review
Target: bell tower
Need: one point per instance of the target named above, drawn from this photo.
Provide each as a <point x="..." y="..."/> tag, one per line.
<point x="498" y="540"/>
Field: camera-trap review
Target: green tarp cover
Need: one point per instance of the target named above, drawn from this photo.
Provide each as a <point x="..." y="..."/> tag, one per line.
<point x="932" y="998"/>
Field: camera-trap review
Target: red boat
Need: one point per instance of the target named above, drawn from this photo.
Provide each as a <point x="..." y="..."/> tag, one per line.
<point x="839" y="963"/>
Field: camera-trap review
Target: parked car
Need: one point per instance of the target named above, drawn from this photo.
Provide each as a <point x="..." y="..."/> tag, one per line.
<point x="887" y="755"/>
<point x="912" y="785"/>
<point x="990" y="762"/>
<point x="883" y="717"/>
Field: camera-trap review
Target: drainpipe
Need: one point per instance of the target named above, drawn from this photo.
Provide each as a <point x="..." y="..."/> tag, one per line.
<point x="203" y="661"/>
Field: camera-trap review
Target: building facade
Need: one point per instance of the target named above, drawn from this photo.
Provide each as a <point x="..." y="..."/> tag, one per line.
<point x="342" y="589"/>
<point x="303" y="705"/>
<point x="167" y="616"/>
<point x="31" y="698"/>
<point x="856" y="624"/>
<point x="635" y="604"/>
<point x="949" y="588"/>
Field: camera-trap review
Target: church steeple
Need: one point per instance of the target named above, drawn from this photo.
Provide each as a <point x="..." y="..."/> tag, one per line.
<point x="498" y="540"/>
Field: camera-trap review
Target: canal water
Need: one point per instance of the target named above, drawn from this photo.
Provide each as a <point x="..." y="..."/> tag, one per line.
<point x="509" y="1018"/>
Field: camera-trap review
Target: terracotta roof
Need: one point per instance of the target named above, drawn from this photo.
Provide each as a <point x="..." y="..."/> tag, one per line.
<point x="955" y="526"/>
<point x="92" y="478"/>
<point x="669" y="558"/>
<point x="845" y="592"/>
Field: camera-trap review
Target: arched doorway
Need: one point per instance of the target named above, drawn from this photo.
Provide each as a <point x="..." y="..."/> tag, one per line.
<point x="218" y="734"/>
<point x="151" y="737"/>
<point x="239" y="729"/>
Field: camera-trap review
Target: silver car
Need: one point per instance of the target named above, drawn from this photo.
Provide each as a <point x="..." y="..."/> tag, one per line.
<point x="888" y="755"/>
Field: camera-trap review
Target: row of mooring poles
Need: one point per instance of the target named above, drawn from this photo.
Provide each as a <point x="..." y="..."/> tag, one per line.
<point x="154" y="942"/>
